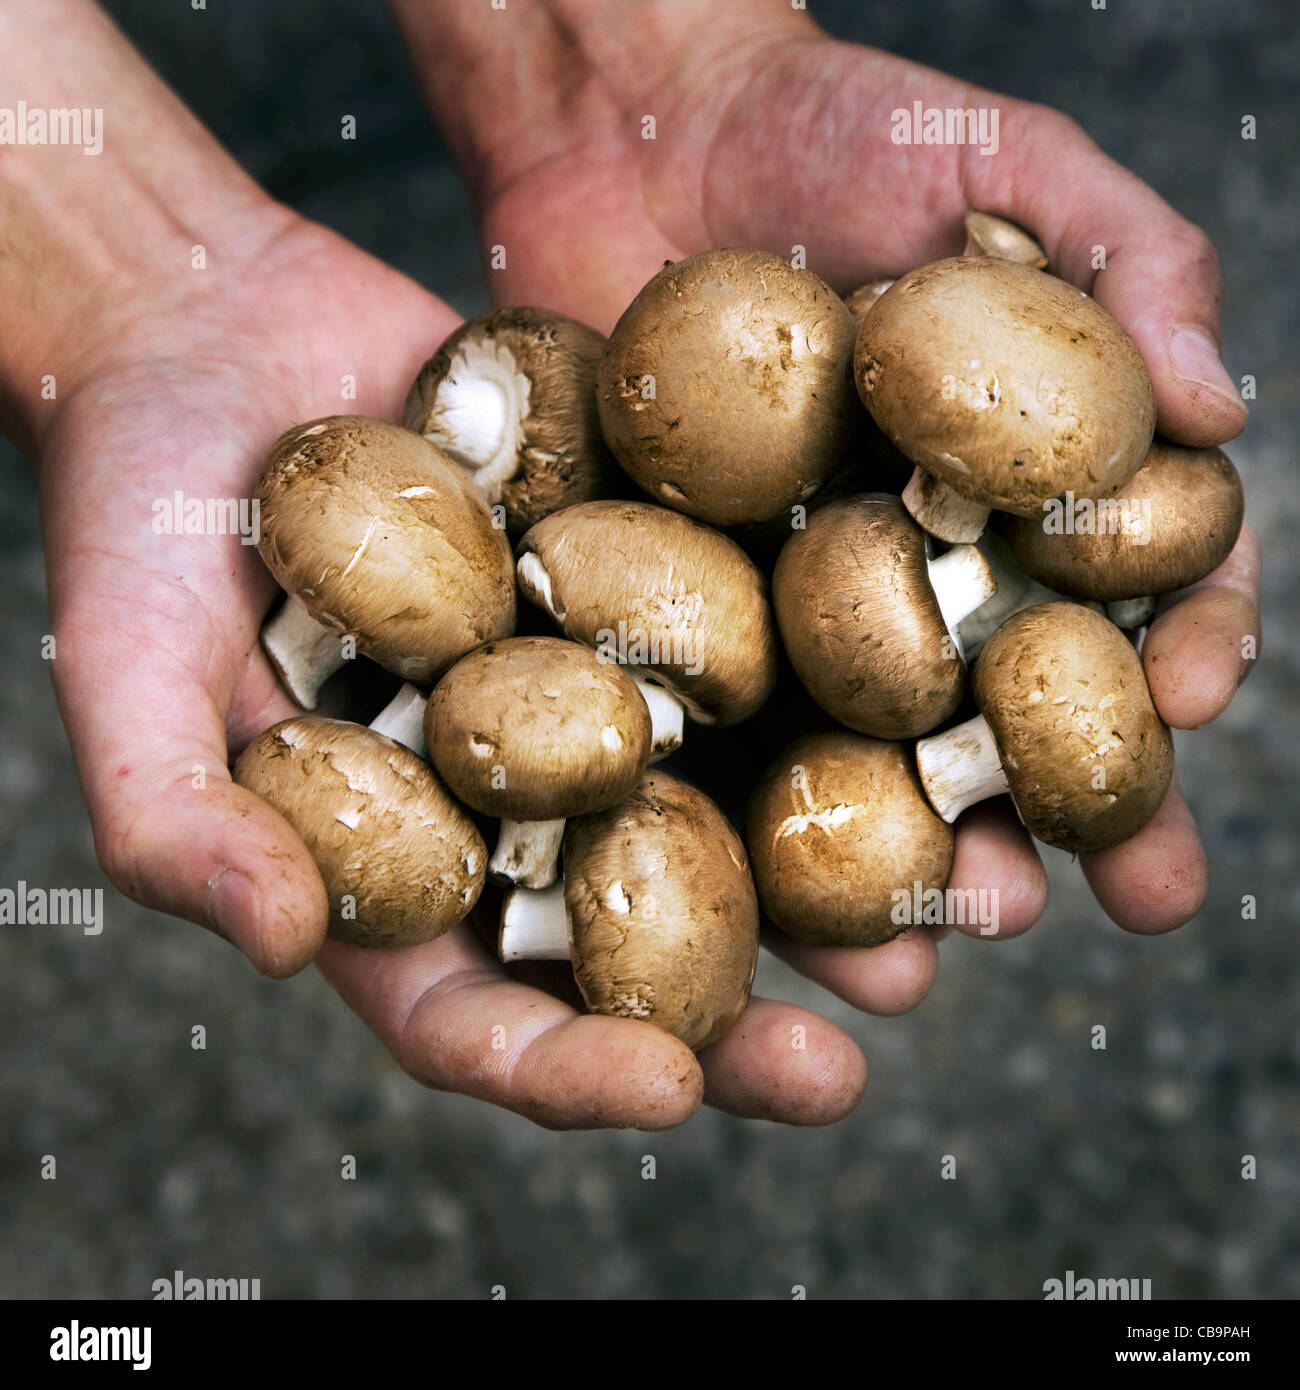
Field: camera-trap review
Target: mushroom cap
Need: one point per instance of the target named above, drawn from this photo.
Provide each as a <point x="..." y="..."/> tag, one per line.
<point x="380" y="826"/>
<point x="838" y="824"/>
<point x="987" y="235"/>
<point x="1006" y="383"/>
<point x="1087" y="757"/>
<point x="860" y="621"/>
<point x="378" y="533"/>
<point x="753" y="405"/>
<point x="1195" y="512"/>
<point x="663" y="917"/>
<point x="535" y="377"/>
<point x="677" y="597"/>
<point x="537" y="728"/>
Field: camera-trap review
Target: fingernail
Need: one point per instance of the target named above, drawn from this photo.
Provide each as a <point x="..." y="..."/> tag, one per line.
<point x="1196" y="358"/>
<point x="232" y="907"/>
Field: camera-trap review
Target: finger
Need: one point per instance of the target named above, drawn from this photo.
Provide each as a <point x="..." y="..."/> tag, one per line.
<point x="885" y="980"/>
<point x="1206" y="639"/>
<point x="1157" y="880"/>
<point x="996" y="861"/>
<point x="453" y="1020"/>
<point x="172" y="829"/>
<point x="1161" y="278"/>
<point x="785" y="1064"/>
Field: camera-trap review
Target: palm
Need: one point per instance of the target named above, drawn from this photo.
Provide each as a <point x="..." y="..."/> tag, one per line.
<point x="158" y="665"/>
<point x="744" y="163"/>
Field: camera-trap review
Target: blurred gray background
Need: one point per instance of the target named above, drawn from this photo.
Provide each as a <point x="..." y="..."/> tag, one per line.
<point x="1119" y="1163"/>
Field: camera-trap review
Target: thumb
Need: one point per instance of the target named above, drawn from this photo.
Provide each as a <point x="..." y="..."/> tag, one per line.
<point x="1161" y="277"/>
<point x="172" y="830"/>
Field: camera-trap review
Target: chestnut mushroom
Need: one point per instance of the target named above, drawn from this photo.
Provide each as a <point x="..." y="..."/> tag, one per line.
<point x="1066" y="725"/>
<point x="375" y="533"/>
<point x="653" y="589"/>
<point x="534" y="730"/>
<point x="1005" y="387"/>
<point x="725" y="389"/>
<point x="837" y="827"/>
<point x="511" y="396"/>
<point x="401" y="860"/>
<point x="1179" y="518"/>
<point x="869" y="623"/>
<point x="657" y="912"/>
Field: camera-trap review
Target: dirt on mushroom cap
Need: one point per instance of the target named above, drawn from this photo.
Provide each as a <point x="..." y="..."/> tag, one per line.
<point x="379" y="825"/>
<point x="538" y="728"/>
<point x="860" y="622"/>
<point x="678" y="587"/>
<point x="752" y="406"/>
<point x="1006" y="383"/>
<point x="1196" y="509"/>
<point x="379" y="534"/>
<point x="1087" y="757"/>
<point x="837" y="824"/>
<point x="662" y="910"/>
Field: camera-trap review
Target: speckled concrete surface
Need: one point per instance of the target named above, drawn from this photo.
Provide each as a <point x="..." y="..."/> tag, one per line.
<point x="1119" y="1163"/>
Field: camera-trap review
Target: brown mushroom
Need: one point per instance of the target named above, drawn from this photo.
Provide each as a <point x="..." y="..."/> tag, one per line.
<point x="1006" y="387"/>
<point x="657" y="912"/>
<point x="401" y="860"/>
<point x="837" y="828"/>
<point x="1179" y="518"/>
<point x="534" y="730"/>
<point x="1066" y="725"/>
<point x="657" y="591"/>
<point x="377" y="534"/>
<point x="869" y="623"/>
<point x="987" y="235"/>
<point x="511" y="396"/>
<point x="725" y="388"/>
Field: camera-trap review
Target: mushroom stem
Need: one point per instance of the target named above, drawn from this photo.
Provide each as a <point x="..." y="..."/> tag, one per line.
<point x="963" y="581"/>
<point x="305" y="653"/>
<point x="960" y="767"/>
<point x="534" y="924"/>
<point x="1131" y="613"/>
<point x="402" y="720"/>
<point x="936" y="508"/>
<point x="667" y="714"/>
<point x="528" y="852"/>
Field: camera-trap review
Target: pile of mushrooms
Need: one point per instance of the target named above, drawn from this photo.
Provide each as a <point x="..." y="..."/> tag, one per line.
<point x="958" y="637"/>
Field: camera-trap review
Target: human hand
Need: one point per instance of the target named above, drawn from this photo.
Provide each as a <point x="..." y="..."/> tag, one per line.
<point x="174" y="378"/>
<point x="769" y="133"/>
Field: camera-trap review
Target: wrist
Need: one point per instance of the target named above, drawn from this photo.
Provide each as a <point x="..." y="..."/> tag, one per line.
<point x="101" y="247"/>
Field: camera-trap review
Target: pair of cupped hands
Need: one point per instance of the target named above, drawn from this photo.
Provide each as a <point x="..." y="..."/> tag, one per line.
<point x="184" y="380"/>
